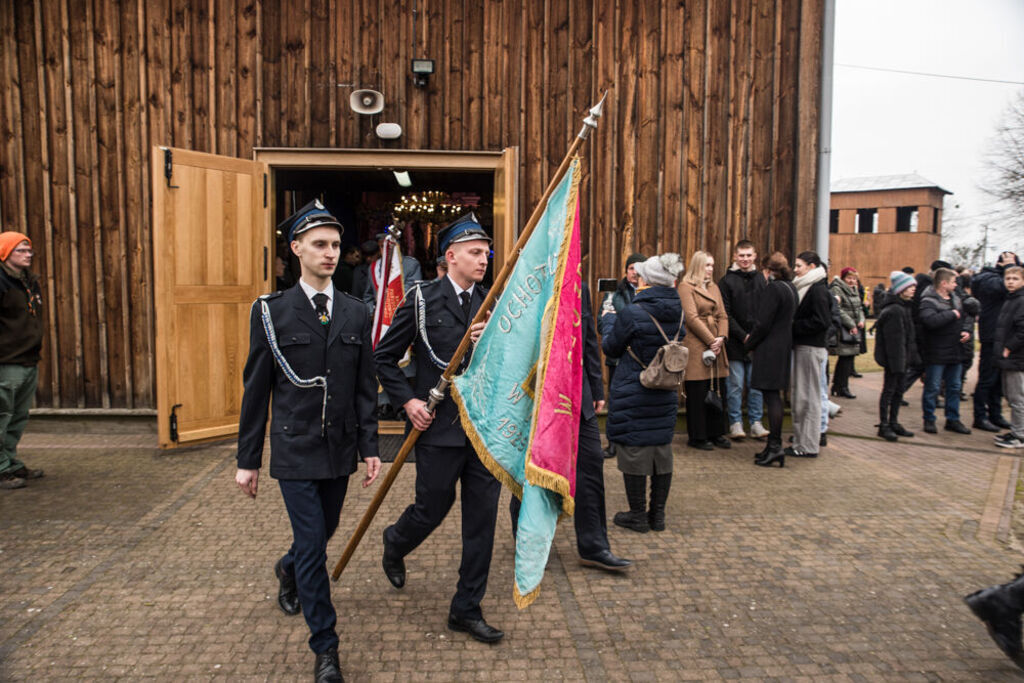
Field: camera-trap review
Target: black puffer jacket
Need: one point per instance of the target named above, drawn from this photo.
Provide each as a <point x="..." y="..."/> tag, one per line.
<point x="740" y="290"/>
<point x="1009" y="333"/>
<point x="895" y="340"/>
<point x="939" y="342"/>
<point x="639" y="416"/>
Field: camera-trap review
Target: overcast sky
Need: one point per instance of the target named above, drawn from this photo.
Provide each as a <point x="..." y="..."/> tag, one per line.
<point x="940" y="128"/>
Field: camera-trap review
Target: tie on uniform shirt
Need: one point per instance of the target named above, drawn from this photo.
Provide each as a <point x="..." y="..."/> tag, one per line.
<point x="464" y="297"/>
<point x="320" y="300"/>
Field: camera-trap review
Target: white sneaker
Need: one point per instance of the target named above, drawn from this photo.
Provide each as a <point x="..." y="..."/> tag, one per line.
<point x="1008" y="440"/>
<point x="834" y="409"/>
<point x="757" y="430"/>
<point x="736" y="431"/>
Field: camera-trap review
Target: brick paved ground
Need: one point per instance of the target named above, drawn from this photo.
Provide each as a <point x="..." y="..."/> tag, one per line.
<point x="126" y="562"/>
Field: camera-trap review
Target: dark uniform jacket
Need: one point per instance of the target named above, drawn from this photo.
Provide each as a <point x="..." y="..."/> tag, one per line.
<point x="895" y="335"/>
<point x="342" y="353"/>
<point x="593" y="381"/>
<point x="445" y="325"/>
<point x="1009" y="333"/>
<point x="740" y="290"/>
<point x="21" y="318"/>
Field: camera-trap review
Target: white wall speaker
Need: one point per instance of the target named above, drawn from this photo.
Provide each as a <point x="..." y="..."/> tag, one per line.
<point x="366" y="102"/>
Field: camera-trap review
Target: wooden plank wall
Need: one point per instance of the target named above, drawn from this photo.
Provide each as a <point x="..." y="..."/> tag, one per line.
<point x="709" y="135"/>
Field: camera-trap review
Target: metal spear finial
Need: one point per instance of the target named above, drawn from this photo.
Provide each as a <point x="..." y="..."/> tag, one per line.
<point x="590" y="122"/>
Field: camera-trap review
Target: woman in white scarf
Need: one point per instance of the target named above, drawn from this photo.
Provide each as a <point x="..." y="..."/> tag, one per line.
<point x="811" y="322"/>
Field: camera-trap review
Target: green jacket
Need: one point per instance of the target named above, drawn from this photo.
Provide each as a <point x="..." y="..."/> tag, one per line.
<point x="851" y="312"/>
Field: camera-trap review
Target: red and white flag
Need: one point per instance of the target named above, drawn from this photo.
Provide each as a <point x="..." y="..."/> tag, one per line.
<point x="389" y="283"/>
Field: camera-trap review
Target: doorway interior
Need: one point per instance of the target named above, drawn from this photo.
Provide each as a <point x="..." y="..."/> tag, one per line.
<point x="366" y="201"/>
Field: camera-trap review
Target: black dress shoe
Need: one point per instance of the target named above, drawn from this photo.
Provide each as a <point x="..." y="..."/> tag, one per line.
<point x="929" y="427"/>
<point x="478" y="628"/>
<point x="1000" y="421"/>
<point x="985" y="425"/>
<point x="701" y="445"/>
<point x="904" y="403"/>
<point x="956" y="426"/>
<point x="721" y="442"/>
<point x="823" y="439"/>
<point x="856" y="374"/>
<point x="606" y="560"/>
<point x="843" y="393"/>
<point x="394" y="567"/>
<point x="327" y="669"/>
<point x="287" y="593"/>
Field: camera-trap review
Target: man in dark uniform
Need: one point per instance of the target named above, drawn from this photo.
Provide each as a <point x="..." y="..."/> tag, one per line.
<point x="433" y="319"/>
<point x="310" y="352"/>
<point x="590" y="518"/>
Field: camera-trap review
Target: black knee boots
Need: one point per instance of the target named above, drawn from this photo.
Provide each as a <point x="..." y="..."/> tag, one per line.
<point x="660" y="485"/>
<point x="636" y="495"/>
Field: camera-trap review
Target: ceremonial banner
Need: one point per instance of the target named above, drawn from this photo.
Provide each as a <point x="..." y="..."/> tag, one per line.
<point x="519" y="399"/>
<point x="390" y="288"/>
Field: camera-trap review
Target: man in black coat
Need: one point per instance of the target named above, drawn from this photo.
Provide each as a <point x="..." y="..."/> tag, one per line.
<point x="310" y="355"/>
<point x="924" y="281"/>
<point x="943" y="331"/>
<point x="433" y="319"/>
<point x="740" y="287"/>
<point x="988" y="288"/>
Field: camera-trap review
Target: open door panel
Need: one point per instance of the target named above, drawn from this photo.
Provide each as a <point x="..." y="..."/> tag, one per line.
<point x="211" y="259"/>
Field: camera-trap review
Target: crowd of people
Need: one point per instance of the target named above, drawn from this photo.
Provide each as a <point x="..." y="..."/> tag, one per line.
<point x="766" y="330"/>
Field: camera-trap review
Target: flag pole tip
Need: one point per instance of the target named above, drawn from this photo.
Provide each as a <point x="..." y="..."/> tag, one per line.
<point x="590" y="123"/>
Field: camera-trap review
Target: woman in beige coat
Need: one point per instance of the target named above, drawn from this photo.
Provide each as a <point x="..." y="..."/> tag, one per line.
<point x="707" y="327"/>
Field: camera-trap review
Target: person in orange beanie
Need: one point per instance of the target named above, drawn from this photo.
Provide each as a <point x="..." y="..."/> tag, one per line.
<point x="21" y="339"/>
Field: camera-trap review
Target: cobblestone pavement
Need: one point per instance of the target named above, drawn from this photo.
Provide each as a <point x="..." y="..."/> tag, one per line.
<point x="128" y="562"/>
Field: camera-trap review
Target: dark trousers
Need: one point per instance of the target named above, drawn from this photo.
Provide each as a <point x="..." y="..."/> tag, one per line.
<point x="313" y="509"/>
<point x="891" y="396"/>
<point x="988" y="392"/>
<point x="774" y="410"/>
<point x="438" y="468"/>
<point x="590" y="518"/>
<point x="841" y="376"/>
<point x="702" y="421"/>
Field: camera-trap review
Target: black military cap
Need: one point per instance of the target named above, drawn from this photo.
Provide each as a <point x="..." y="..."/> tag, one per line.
<point x="463" y="229"/>
<point x="312" y="215"/>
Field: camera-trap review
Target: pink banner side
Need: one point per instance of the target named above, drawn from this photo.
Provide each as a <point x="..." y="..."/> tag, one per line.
<point x="556" y="434"/>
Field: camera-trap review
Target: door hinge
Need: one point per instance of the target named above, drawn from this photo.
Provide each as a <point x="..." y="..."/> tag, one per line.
<point x="174" y="422"/>
<point x="169" y="167"/>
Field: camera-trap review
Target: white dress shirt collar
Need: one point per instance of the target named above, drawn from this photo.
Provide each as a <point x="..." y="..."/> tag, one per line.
<point x="308" y="290"/>
<point x="460" y="290"/>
